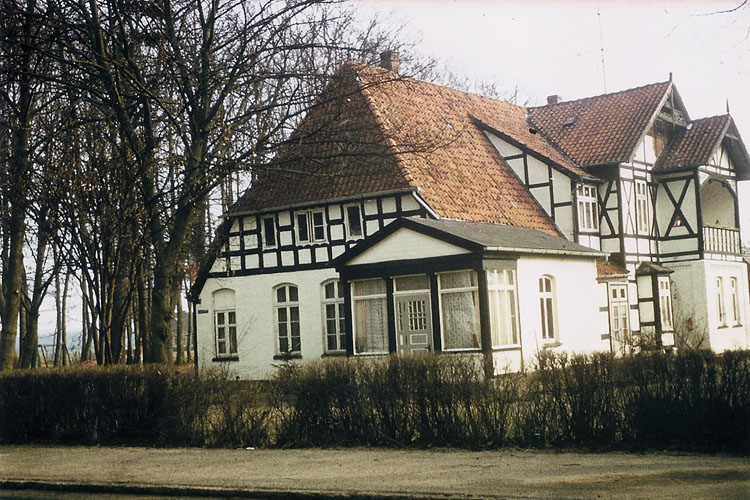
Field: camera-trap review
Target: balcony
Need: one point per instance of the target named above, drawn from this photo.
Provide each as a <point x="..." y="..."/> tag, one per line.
<point x="721" y="240"/>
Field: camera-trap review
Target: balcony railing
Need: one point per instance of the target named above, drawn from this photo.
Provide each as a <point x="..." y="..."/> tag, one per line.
<point x="721" y="240"/>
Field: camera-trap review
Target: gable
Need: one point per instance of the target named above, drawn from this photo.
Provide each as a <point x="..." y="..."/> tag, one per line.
<point x="603" y="129"/>
<point x="407" y="244"/>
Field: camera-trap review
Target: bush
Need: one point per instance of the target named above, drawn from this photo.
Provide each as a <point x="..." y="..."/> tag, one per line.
<point x="696" y="401"/>
<point x="128" y="406"/>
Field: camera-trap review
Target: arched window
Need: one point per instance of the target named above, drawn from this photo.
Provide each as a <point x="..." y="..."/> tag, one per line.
<point x="286" y="314"/>
<point x="225" y="323"/>
<point x="334" y="316"/>
<point x="547" y="308"/>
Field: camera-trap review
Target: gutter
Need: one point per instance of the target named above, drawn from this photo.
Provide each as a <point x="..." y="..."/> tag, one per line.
<point x="292" y="206"/>
<point x="545" y="251"/>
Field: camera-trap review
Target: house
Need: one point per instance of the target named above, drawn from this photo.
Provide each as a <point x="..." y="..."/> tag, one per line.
<point x="406" y="216"/>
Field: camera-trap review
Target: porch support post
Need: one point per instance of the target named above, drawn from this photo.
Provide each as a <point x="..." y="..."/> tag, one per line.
<point x="484" y="322"/>
<point x="349" y="315"/>
<point x="391" y="314"/>
<point x="437" y="338"/>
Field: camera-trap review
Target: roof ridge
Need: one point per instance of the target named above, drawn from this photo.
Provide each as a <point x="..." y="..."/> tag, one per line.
<point x="606" y="94"/>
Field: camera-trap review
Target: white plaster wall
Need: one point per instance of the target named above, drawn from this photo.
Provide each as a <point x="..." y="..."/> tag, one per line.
<point x="695" y="297"/>
<point x="578" y="296"/>
<point x="731" y="336"/>
<point x="256" y="337"/>
<point x="503" y="147"/>
<point x="538" y="171"/>
<point x="406" y="244"/>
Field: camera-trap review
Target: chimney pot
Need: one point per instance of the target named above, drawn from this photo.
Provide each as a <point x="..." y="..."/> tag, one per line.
<point x="554" y="99"/>
<point x="389" y="60"/>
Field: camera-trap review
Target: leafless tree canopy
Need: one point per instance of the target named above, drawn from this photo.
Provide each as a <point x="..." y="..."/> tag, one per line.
<point x="119" y="118"/>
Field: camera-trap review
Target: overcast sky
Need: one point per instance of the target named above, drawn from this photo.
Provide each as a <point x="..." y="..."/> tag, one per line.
<point x="545" y="48"/>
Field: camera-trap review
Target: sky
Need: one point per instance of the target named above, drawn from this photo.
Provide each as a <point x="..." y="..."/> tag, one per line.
<point x="543" y="48"/>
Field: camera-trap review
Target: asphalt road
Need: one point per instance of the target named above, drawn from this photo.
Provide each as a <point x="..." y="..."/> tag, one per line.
<point x="101" y="472"/>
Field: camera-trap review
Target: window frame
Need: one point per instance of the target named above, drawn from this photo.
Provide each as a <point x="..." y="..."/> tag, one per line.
<point x="666" y="311"/>
<point x="347" y="220"/>
<point x="734" y="297"/>
<point x="720" y="301"/>
<point x="616" y="307"/>
<point x="265" y="233"/>
<point x="288" y="306"/>
<point x="474" y="289"/>
<point x="642" y="207"/>
<point x="359" y="298"/>
<point x="339" y="319"/>
<point x="505" y="292"/>
<point x="587" y="198"/>
<point x="310" y="226"/>
<point x="230" y="353"/>
<point x="548" y="308"/>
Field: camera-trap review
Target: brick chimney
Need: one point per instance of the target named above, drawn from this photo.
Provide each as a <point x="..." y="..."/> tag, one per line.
<point x="554" y="99"/>
<point x="389" y="60"/>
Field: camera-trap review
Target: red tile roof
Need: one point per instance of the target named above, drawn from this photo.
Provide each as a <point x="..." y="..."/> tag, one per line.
<point x="601" y="129"/>
<point x="606" y="268"/>
<point x="693" y="146"/>
<point x="424" y="137"/>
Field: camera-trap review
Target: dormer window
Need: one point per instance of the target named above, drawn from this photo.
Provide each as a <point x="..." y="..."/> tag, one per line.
<point x="570" y="121"/>
<point x="311" y="226"/>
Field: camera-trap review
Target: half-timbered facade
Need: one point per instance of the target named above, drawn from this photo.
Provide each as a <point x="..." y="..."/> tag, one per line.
<point x="407" y="216"/>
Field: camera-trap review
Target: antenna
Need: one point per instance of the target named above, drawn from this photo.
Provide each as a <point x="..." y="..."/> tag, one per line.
<point x="601" y="45"/>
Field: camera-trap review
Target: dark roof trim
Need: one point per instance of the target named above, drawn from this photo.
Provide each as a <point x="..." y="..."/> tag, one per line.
<point x="394" y="226"/>
<point x="651" y="269"/>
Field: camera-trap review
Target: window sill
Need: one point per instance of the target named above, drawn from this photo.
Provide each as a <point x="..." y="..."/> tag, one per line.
<point x="509" y="347"/>
<point x="551" y="344"/>
<point x="285" y="357"/>
<point x="339" y="354"/>
<point x="720" y="327"/>
<point x="225" y="358"/>
<point x="467" y="350"/>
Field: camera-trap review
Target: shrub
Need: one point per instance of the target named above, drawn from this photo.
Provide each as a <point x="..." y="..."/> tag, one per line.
<point x="687" y="401"/>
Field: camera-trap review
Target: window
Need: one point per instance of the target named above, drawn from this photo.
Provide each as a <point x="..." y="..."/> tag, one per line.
<point x="370" y="315"/>
<point x="286" y="309"/>
<point x="225" y="323"/>
<point x="503" y="316"/>
<point x="311" y="226"/>
<point x="588" y="213"/>
<point x="269" y="231"/>
<point x="334" y="314"/>
<point x="665" y="303"/>
<point x="459" y="310"/>
<point x="721" y="313"/>
<point x="619" y="313"/>
<point x="643" y="214"/>
<point x="735" y="300"/>
<point x="226" y="333"/>
<point x="353" y="221"/>
<point x="547" y="307"/>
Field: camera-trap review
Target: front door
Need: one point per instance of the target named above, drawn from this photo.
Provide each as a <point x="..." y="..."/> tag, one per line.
<point x="413" y="322"/>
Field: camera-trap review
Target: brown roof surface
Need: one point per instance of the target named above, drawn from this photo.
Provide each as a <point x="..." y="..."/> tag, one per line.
<point x="438" y="149"/>
<point x="605" y="128"/>
<point x="693" y="147"/>
<point x="606" y="268"/>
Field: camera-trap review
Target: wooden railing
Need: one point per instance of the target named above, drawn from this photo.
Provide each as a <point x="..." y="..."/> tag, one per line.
<point x="721" y="240"/>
